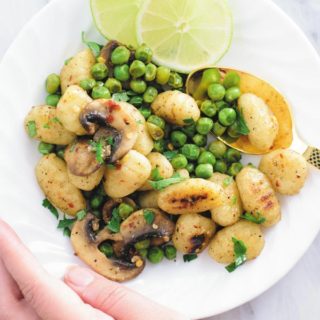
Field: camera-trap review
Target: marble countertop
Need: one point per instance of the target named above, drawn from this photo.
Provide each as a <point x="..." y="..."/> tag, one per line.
<point x="297" y="295"/>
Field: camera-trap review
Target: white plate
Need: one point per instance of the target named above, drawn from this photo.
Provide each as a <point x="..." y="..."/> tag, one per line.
<point x="265" y="43"/>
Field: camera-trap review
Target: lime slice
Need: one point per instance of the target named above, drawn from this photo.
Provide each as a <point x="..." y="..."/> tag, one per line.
<point x="116" y="19"/>
<point x="185" y="34"/>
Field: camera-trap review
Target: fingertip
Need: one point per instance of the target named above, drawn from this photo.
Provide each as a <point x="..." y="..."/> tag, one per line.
<point x="78" y="277"/>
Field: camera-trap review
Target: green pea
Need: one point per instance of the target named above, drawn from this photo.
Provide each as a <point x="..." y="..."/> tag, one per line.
<point x="100" y="93"/>
<point x="209" y="76"/>
<point x="137" y="69"/>
<point x="208" y="108"/>
<point x="231" y="79"/>
<point x="155" y="132"/>
<point x="217" y="148"/>
<point x="232" y="155"/>
<point x="159" y="146"/>
<point x="179" y="161"/>
<point x="53" y="99"/>
<point x="163" y="75"/>
<point x="146" y="112"/>
<point x="175" y="80"/>
<point x="232" y="94"/>
<point x="220" y="166"/>
<point x="45" y="148"/>
<point x="155" y="255"/>
<point x="190" y="130"/>
<point x="150" y="94"/>
<point x="99" y="84"/>
<point x="106" y="248"/>
<point x="60" y="153"/>
<point x="190" y="167"/>
<point x="217" y="129"/>
<point x="227" y="116"/>
<point x="200" y="140"/>
<point x="216" y="91"/>
<point x="143" y="253"/>
<point x="87" y="84"/>
<point x="120" y="55"/>
<point x="96" y="201"/>
<point x="137" y="101"/>
<point x="170" y="252"/>
<point x="143" y="244"/>
<point x="143" y="53"/>
<point x="221" y="105"/>
<point x="191" y="151"/>
<point x="125" y="210"/>
<point x="121" y="73"/>
<point x="52" y="83"/>
<point x="233" y="130"/>
<point x="157" y="121"/>
<point x="178" y="138"/>
<point x="207" y="157"/>
<point x="235" y="168"/>
<point x="99" y="71"/>
<point x="151" y="72"/>
<point x="113" y="85"/>
<point x="138" y="86"/>
<point x="204" y="171"/>
<point x="204" y="125"/>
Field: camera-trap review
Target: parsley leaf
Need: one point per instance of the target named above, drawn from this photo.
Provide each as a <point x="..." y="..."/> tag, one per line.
<point x="93" y="46"/>
<point x="258" y="219"/>
<point x="227" y="181"/>
<point x="47" y="204"/>
<point x="189" y="257"/>
<point x="148" y="216"/>
<point x="97" y="147"/>
<point x="65" y="223"/>
<point x="81" y="214"/>
<point x="32" y="129"/>
<point x="159" y="185"/>
<point x="114" y="223"/>
<point x="170" y="154"/>
<point x="155" y="174"/>
<point x="240" y="251"/>
<point x="242" y="127"/>
<point x="46" y="125"/>
<point x="188" y="121"/>
<point x="110" y="141"/>
<point x="234" y="200"/>
<point x="120" y="96"/>
<point x="56" y="120"/>
<point x="67" y="232"/>
<point x="111" y="166"/>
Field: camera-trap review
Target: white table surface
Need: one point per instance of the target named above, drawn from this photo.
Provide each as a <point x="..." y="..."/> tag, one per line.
<point x="296" y="296"/>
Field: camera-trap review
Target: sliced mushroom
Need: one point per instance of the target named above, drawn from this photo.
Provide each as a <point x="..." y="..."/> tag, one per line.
<point x="108" y="113"/>
<point x="85" y="239"/>
<point x="136" y="228"/>
<point x="112" y="203"/>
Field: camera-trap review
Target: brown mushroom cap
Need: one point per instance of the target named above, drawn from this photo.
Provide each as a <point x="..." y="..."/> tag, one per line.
<point x="85" y="242"/>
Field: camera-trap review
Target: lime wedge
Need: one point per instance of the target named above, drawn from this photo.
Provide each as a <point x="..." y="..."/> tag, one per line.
<point x="185" y="34"/>
<point x="116" y="19"/>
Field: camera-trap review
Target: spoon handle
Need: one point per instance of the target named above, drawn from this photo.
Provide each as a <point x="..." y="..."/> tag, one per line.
<point x="312" y="155"/>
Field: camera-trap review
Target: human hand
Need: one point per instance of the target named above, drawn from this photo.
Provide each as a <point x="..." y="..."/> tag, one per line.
<point x="28" y="292"/>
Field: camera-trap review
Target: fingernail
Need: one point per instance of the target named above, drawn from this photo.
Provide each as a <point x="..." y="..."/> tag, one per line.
<point x="79" y="277"/>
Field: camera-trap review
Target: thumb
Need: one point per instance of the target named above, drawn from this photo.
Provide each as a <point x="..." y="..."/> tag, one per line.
<point x="114" y="299"/>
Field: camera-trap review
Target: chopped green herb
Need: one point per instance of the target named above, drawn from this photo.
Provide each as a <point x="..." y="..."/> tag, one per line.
<point x="131" y="93"/>
<point x="97" y="147"/>
<point x="189" y="257"/>
<point x="93" y="46"/>
<point x="65" y="223"/>
<point x="155" y="174"/>
<point x="47" y="204"/>
<point x="227" y="181"/>
<point x="55" y="120"/>
<point x="81" y="214"/>
<point x="234" y="200"/>
<point x="32" y="129"/>
<point x="240" y="251"/>
<point x="170" y="154"/>
<point x="159" y="185"/>
<point x="110" y="141"/>
<point x="188" y="121"/>
<point x="120" y="96"/>
<point x="46" y="125"/>
<point x="242" y="127"/>
<point x="111" y="166"/>
<point x="257" y="218"/>
<point x="67" y="232"/>
<point x="67" y="61"/>
<point x="73" y="146"/>
<point x="148" y="216"/>
<point x="114" y="224"/>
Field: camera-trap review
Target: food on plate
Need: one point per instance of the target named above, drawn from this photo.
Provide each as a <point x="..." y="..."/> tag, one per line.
<point x="258" y="195"/>
<point x="286" y="169"/>
<point x="131" y="161"/>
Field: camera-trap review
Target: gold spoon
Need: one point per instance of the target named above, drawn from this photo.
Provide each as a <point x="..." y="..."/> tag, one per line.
<point x="287" y="135"/>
